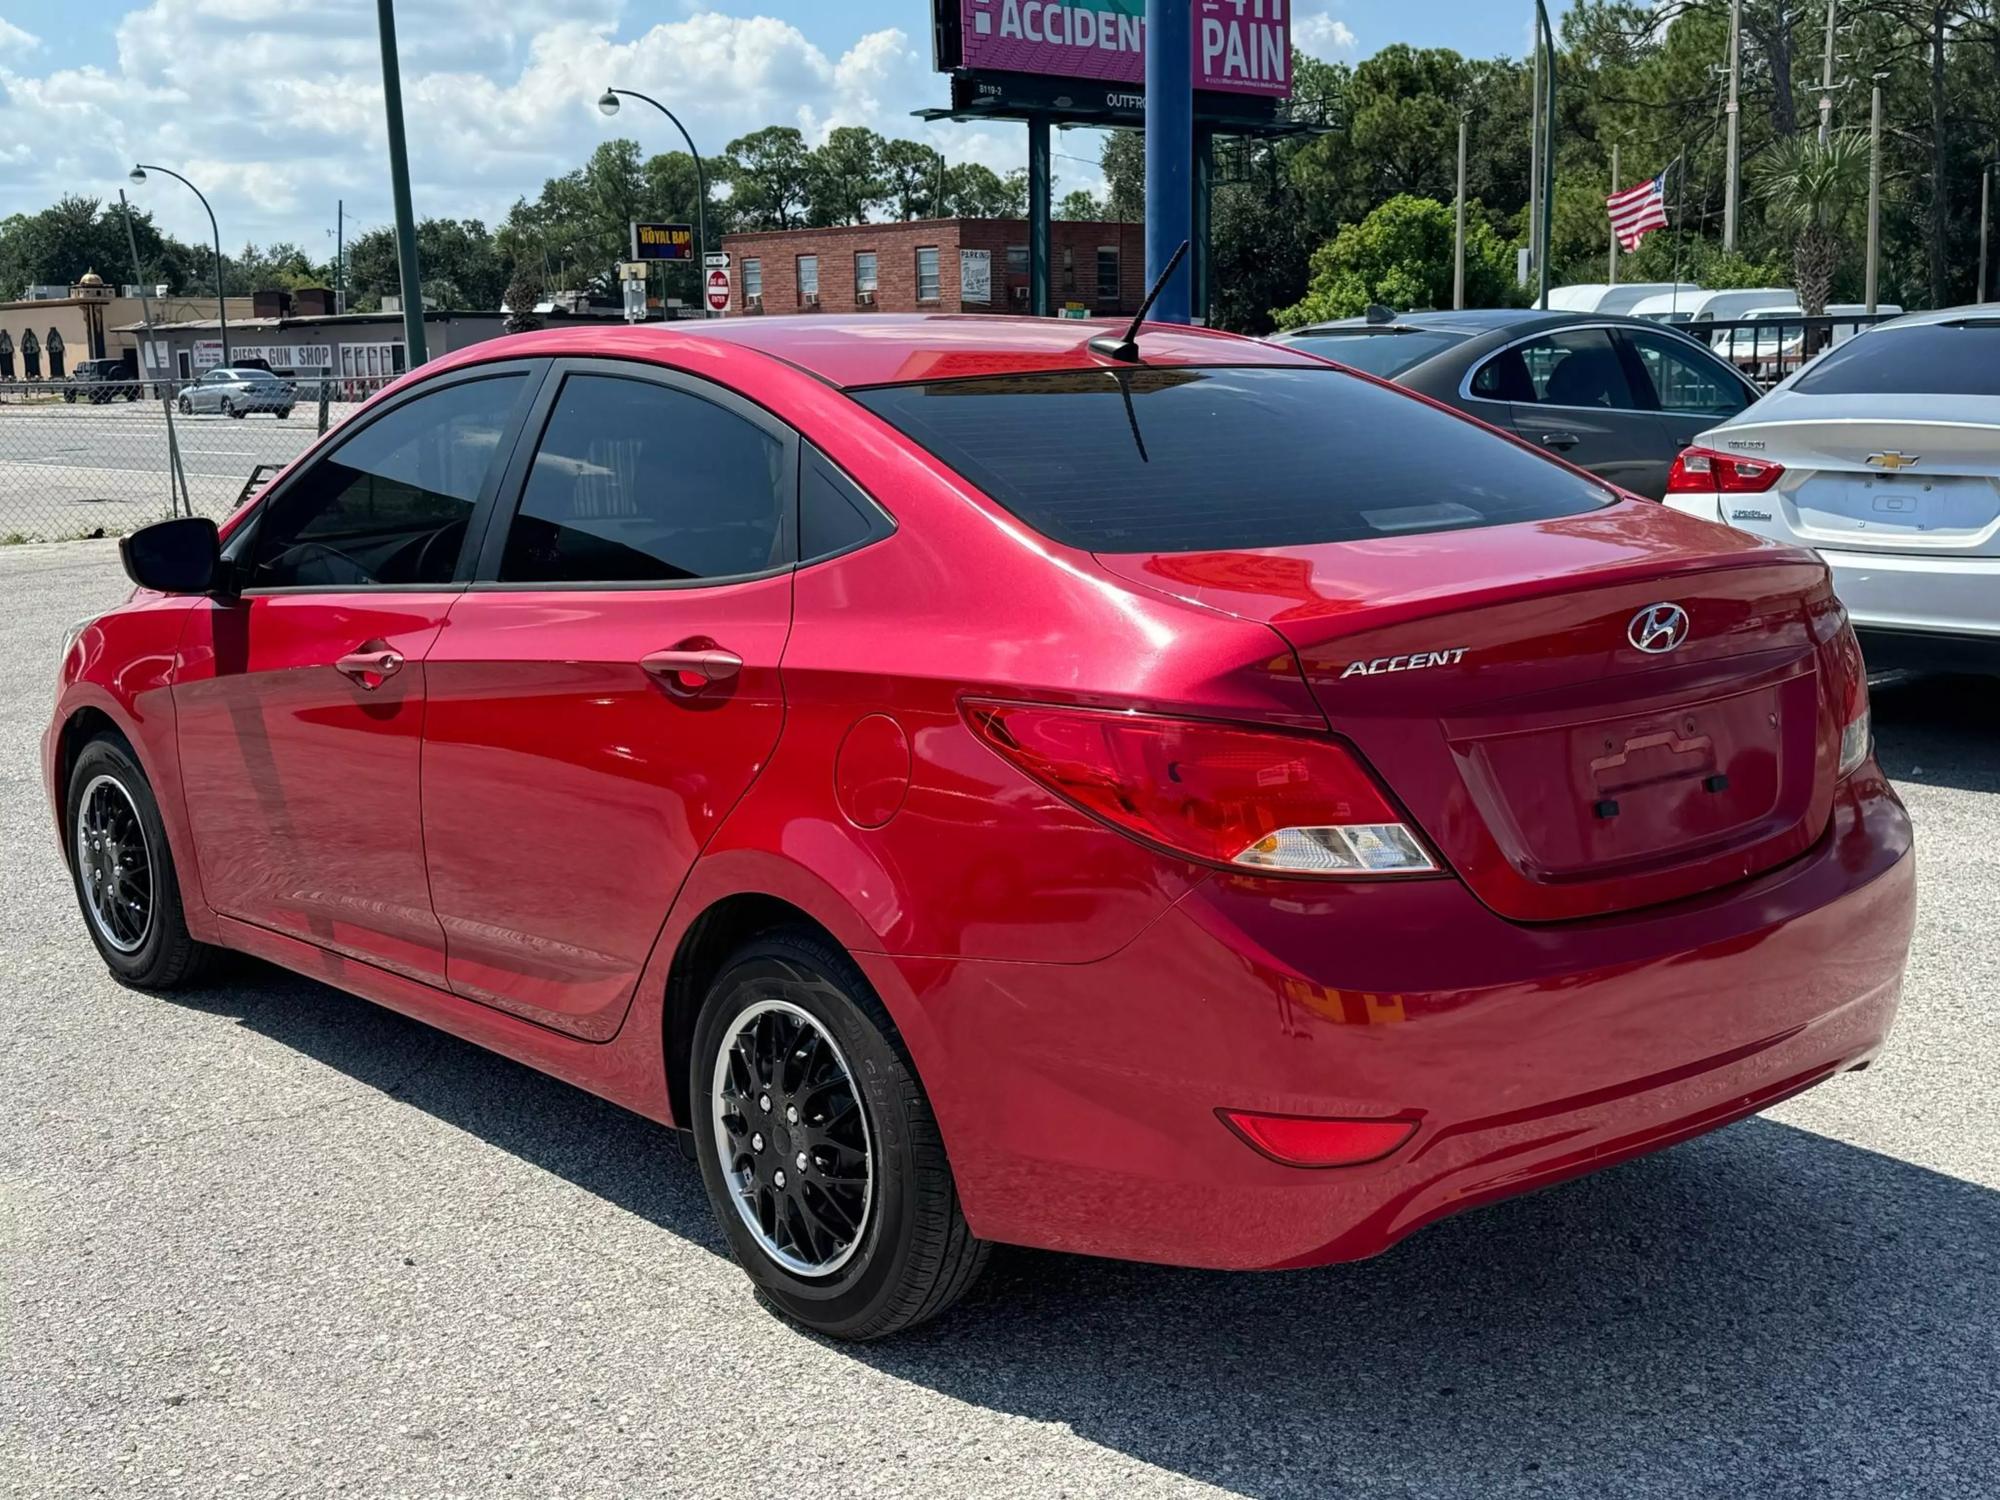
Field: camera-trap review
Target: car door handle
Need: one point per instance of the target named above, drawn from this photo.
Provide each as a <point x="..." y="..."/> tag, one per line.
<point x="692" y="669"/>
<point x="371" y="668"/>
<point x="1560" y="440"/>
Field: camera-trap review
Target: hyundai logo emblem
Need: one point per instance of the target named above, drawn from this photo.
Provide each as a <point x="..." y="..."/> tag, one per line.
<point x="1658" y="628"/>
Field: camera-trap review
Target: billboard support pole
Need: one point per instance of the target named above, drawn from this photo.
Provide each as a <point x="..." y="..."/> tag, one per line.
<point x="1204" y="248"/>
<point x="1169" y="148"/>
<point x="1041" y="237"/>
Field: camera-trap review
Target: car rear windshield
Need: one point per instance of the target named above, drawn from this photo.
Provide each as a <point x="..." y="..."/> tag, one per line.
<point x="1193" y="460"/>
<point x="1380" y="351"/>
<point x="1960" y="358"/>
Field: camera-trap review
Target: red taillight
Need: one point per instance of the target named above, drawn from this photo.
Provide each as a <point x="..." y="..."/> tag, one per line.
<point x="1703" y="471"/>
<point x="1253" y="799"/>
<point x="1850" y="697"/>
<point x="1304" y="1141"/>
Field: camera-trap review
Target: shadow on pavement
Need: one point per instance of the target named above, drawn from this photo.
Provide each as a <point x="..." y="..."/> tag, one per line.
<point x="1939" y="731"/>
<point x="1764" y="1311"/>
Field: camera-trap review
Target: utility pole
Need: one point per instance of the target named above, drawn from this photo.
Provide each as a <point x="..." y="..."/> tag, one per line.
<point x="410" y="277"/>
<point x="1458" y="240"/>
<point x="1826" y="77"/>
<point x="1169" y="151"/>
<point x="1616" y="181"/>
<point x="1985" y="222"/>
<point x="1874" y="194"/>
<point x="1548" y="34"/>
<point x="1535" y="166"/>
<point x="340" y="255"/>
<point x="1735" y="121"/>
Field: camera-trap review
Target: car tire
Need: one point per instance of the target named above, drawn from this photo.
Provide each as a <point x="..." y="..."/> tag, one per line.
<point x="111" y="816"/>
<point x="282" y="412"/>
<point x="871" y="1142"/>
<point x="229" y="408"/>
<point x="186" y="406"/>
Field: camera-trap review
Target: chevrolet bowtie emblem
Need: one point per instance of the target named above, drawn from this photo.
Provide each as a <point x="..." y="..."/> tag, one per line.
<point x="1893" y="460"/>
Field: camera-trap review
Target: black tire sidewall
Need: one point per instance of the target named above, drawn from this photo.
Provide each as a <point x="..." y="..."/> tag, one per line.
<point x="142" y="966"/>
<point x="852" y="1297"/>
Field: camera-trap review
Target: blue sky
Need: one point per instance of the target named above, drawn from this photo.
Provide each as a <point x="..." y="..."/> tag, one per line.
<point x="275" y="105"/>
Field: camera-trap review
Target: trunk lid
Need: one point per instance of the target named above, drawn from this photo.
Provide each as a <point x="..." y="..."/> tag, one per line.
<point x="1919" y="475"/>
<point x="1491" y="679"/>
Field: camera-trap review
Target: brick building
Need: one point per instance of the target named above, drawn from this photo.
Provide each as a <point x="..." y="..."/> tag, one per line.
<point x="934" y="265"/>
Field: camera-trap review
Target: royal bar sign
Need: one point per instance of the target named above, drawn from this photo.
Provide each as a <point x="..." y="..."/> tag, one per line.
<point x="1240" y="46"/>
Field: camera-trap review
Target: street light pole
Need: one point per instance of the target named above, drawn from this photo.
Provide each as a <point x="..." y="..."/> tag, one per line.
<point x="1826" y="77"/>
<point x="409" y="274"/>
<point x="1535" y="162"/>
<point x="1985" y="224"/>
<point x="138" y="175"/>
<point x="1734" y="110"/>
<point x="1874" y="195"/>
<point x="1615" y="185"/>
<point x="608" y="103"/>
<point x="1548" y="153"/>
<point x="1458" y="237"/>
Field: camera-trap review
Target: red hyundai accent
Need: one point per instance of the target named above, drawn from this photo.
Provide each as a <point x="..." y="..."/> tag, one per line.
<point x="1214" y="808"/>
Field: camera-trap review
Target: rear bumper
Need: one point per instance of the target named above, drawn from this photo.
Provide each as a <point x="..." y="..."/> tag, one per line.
<point x="1078" y="1101"/>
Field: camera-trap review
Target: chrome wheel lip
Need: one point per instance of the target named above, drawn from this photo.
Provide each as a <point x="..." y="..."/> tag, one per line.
<point x="740" y="1187"/>
<point x="97" y="893"/>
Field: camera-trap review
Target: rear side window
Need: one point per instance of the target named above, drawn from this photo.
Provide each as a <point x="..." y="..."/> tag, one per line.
<point x="636" y="482"/>
<point x="1190" y="460"/>
<point x="1386" y="353"/>
<point x="1578" y="367"/>
<point x="1935" y="359"/>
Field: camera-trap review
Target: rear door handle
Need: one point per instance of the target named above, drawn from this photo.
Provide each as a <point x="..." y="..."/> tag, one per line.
<point x="1560" y="440"/>
<point x="371" y="667"/>
<point x="690" y="670"/>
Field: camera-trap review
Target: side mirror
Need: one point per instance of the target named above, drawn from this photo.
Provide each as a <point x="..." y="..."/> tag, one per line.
<point x="181" y="556"/>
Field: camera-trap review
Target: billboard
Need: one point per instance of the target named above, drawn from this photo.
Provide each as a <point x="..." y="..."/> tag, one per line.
<point x="1240" y="46"/>
<point x="662" y="241"/>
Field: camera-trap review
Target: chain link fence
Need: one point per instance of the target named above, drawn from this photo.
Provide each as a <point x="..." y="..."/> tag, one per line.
<point x="94" y="458"/>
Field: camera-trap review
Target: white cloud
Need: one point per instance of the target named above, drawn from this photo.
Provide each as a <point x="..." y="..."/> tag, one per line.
<point x="14" y="39"/>
<point x="275" y="108"/>
<point x="1324" y="36"/>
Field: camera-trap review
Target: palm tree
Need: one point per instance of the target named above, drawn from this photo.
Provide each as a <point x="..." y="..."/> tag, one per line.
<point x="1815" y="193"/>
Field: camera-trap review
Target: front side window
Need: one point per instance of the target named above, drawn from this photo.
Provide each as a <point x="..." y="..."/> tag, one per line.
<point x="636" y="482"/>
<point x="1685" y="380"/>
<point x="1577" y="367"/>
<point x="864" y="271"/>
<point x="1107" y="273"/>
<point x="929" y="287"/>
<point x="391" y="504"/>
<point x="808" y="277"/>
<point x="1195" y="460"/>
<point x="753" y="277"/>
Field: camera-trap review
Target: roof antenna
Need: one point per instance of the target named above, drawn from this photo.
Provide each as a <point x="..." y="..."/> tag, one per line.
<point x="1126" y="349"/>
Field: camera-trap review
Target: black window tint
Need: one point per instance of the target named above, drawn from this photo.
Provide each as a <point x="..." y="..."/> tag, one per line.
<point x="391" y="504"/>
<point x="834" y="515"/>
<point x="1504" y="377"/>
<point x="1579" y="367"/>
<point x="1936" y="359"/>
<point x="1685" y="379"/>
<point x="1386" y="353"/>
<point x="635" y="482"/>
<point x="1184" y="460"/>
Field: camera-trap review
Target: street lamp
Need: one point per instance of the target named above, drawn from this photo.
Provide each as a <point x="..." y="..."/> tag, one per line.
<point x="607" y="103"/>
<point x="138" y="176"/>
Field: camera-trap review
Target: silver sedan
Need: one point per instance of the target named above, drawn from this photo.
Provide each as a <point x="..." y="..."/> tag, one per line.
<point x="237" y="393"/>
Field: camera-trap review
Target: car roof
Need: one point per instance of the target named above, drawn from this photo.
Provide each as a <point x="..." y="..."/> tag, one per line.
<point x="892" y="348"/>
<point x="1474" y="321"/>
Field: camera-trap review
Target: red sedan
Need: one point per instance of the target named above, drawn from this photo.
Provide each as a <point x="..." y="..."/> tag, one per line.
<point x="977" y="785"/>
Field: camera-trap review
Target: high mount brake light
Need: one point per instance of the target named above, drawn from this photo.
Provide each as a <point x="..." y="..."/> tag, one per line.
<point x="1703" y="471"/>
<point x="1250" y="799"/>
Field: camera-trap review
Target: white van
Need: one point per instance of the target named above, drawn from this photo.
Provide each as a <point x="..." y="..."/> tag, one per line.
<point x="1597" y="297"/>
<point x="1709" y="307"/>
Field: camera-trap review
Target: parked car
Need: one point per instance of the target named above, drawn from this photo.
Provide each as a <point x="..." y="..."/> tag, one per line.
<point x="1884" y="454"/>
<point x="102" y="380"/>
<point x="1682" y="307"/>
<point x="1768" y="354"/>
<point x="237" y="392"/>
<point x="1616" y="396"/>
<point x="980" y="781"/>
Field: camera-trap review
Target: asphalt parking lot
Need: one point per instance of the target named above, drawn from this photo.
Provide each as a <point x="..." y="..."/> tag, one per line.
<point x="266" y="1239"/>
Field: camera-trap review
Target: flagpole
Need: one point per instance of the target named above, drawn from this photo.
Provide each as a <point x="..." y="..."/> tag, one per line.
<point x="1615" y="190"/>
<point x="1678" y="166"/>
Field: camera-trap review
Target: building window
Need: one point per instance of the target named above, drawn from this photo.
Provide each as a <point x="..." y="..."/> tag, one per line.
<point x="753" y="278"/>
<point x="1107" y="273"/>
<point x="864" y="271"/>
<point x="31" y="355"/>
<point x="929" y="287"/>
<point x="1017" y="260"/>
<point x="808" y="279"/>
<point x="1069" y="271"/>
<point x="55" y="348"/>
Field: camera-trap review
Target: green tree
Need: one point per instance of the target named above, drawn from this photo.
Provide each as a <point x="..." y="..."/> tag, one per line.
<point x="1815" y="192"/>
<point x="844" y="176"/>
<point x="1080" y="205"/>
<point x="769" y="173"/>
<point x="1401" y="256"/>
<point x="973" y="191"/>
<point x="910" y="179"/>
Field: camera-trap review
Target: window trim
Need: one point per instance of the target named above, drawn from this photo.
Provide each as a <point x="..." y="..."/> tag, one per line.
<point x="534" y="373"/>
<point x="874" y="274"/>
<point x="917" y="268"/>
<point x="799" y="276"/>
<point x="485" y="574"/>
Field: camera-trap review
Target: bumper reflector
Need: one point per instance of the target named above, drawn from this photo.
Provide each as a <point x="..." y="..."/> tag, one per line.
<point x="1303" y="1141"/>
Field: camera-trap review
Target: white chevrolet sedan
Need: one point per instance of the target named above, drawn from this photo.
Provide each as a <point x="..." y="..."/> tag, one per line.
<point x="1884" y="455"/>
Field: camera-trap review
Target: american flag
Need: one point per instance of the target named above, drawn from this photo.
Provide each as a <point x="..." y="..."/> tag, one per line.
<point x="1638" y="211"/>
